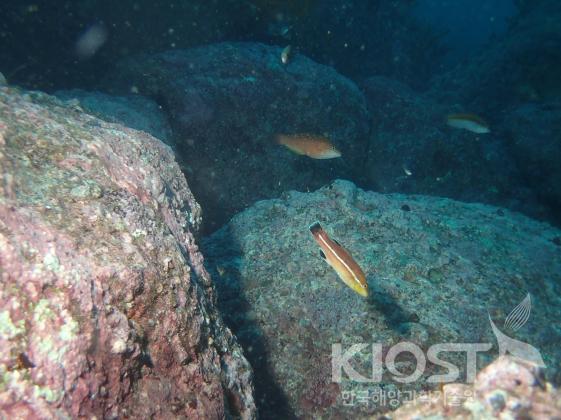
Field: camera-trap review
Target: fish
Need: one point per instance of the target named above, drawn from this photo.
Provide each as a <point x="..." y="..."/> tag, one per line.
<point x="286" y="54"/>
<point x="91" y="41"/>
<point x="316" y="147"/>
<point x="407" y="171"/>
<point x="279" y="29"/>
<point x="340" y="260"/>
<point x="470" y="122"/>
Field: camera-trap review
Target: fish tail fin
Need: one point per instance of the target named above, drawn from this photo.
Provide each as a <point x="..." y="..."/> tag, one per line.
<point x="278" y="139"/>
<point x="315" y="228"/>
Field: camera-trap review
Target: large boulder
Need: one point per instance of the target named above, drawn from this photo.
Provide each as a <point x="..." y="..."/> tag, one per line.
<point x="437" y="269"/>
<point x="106" y="309"/>
<point x="532" y="133"/>
<point x="412" y="150"/>
<point x="227" y="102"/>
<point x="132" y="111"/>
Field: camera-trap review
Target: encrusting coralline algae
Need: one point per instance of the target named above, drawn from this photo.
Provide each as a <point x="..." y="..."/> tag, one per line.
<point x="105" y="307"/>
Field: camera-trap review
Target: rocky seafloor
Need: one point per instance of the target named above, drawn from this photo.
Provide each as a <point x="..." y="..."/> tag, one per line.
<point x="226" y="103"/>
<point x="437" y="269"/>
<point x="108" y="308"/>
<point x="220" y="107"/>
<point x="506" y="389"/>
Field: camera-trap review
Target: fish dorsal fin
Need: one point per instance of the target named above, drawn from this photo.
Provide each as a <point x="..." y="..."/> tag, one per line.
<point x="335" y="240"/>
<point x="322" y="254"/>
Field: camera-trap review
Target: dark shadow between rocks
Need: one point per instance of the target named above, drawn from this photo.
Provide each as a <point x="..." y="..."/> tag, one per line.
<point x="235" y="309"/>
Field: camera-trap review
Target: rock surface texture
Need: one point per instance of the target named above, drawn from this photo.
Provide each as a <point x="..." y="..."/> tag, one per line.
<point x="436" y="269"/>
<point x="532" y="134"/>
<point x="106" y="309"/>
<point x="228" y="101"/>
<point x="132" y="111"/>
<point x="412" y="150"/>
<point x="507" y="388"/>
<point x="514" y="83"/>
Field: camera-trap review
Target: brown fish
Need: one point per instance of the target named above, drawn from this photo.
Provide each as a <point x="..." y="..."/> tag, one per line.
<point x="339" y="258"/>
<point x="315" y="147"/>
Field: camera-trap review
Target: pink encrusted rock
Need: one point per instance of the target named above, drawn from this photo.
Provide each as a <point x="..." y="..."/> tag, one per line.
<point x="508" y="388"/>
<point x="106" y="309"/>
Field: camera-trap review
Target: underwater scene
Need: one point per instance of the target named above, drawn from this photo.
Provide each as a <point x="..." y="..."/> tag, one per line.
<point x="280" y="209"/>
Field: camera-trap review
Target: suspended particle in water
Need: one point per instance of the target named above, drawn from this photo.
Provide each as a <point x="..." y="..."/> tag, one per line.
<point x="90" y="41"/>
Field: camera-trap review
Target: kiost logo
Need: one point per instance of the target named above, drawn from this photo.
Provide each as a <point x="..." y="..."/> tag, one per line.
<point x="518" y="317"/>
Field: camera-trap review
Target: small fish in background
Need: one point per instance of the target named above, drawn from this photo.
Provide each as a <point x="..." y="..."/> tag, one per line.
<point x="470" y="122"/>
<point x="406" y="170"/>
<point x="279" y="29"/>
<point x="339" y="258"/>
<point x="316" y="147"/>
<point x="3" y="80"/>
<point x="286" y="54"/>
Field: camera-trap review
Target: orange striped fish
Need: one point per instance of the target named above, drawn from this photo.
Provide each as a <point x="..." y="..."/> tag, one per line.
<point x="339" y="258"/>
<point x="315" y="147"/>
